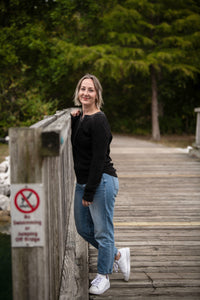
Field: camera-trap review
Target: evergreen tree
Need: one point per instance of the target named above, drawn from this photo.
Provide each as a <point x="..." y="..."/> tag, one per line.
<point x="133" y="46"/>
<point x="148" y="37"/>
<point x="23" y="52"/>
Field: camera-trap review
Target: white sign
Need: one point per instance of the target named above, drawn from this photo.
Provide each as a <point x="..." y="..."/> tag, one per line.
<point x="27" y="215"/>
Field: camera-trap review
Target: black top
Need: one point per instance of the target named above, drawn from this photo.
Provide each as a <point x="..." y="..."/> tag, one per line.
<point x="91" y="138"/>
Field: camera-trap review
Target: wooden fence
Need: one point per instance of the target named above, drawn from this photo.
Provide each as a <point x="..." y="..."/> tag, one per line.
<point x="49" y="260"/>
<point x="197" y="143"/>
<point x="196" y="146"/>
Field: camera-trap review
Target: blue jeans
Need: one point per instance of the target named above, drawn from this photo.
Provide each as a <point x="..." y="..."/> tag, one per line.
<point x="95" y="223"/>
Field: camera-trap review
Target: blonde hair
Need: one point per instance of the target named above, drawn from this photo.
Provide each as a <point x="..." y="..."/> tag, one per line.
<point x="98" y="89"/>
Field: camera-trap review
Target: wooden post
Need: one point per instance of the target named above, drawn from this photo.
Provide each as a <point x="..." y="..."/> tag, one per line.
<point x="43" y="234"/>
<point x="28" y="263"/>
<point x="197" y="110"/>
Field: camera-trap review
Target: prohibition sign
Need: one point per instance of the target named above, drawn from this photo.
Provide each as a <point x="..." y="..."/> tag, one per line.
<point x="27" y="201"/>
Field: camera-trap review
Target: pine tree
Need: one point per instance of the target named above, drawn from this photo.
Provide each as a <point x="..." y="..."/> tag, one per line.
<point x="148" y="37"/>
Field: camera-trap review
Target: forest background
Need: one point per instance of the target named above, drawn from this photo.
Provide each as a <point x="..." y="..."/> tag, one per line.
<point x="145" y="53"/>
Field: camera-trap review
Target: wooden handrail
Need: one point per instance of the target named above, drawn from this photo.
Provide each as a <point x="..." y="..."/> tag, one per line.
<point x="49" y="260"/>
<point x="197" y="140"/>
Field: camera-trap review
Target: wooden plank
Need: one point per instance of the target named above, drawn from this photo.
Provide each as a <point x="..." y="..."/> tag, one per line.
<point x="142" y="292"/>
<point x="25" y="150"/>
<point x="74" y="280"/>
<point x="154" y="276"/>
<point x="49" y="119"/>
<point x="45" y="122"/>
<point x="159" y="250"/>
<point x="54" y="135"/>
<point x="157" y="215"/>
<point x="149" y="175"/>
<point x="155" y="219"/>
<point x="148" y="296"/>
<point x="37" y="271"/>
<point x="197" y="137"/>
<point x="159" y="262"/>
<point x="152" y="150"/>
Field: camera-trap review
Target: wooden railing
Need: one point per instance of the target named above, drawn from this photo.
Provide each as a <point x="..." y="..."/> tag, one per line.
<point x="49" y="260"/>
<point x="197" y="140"/>
<point x="195" y="150"/>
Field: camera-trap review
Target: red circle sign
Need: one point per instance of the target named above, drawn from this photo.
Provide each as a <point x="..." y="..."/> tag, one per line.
<point x="27" y="201"/>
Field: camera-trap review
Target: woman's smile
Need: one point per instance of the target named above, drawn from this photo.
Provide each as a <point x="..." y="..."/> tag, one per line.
<point x="87" y="93"/>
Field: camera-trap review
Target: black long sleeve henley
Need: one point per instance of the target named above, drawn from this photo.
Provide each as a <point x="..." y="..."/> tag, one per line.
<point x="91" y="138"/>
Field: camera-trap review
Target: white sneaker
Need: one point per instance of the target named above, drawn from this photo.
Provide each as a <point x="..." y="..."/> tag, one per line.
<point x="100" y="284"/>
<point x="123" y="263"/>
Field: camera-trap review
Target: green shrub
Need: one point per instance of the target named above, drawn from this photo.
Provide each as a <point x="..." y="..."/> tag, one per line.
<point x="24" y="110"/>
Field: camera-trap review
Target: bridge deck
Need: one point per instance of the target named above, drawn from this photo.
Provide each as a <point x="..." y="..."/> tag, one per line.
<point x="157" y="215"/>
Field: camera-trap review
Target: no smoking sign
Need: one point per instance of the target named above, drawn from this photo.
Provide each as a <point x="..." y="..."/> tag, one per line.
<point x="27" y="211"/>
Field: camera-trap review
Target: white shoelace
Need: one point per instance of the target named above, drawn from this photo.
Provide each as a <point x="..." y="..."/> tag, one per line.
<point x="116" y="266"/>
<point x="97" y="280"/>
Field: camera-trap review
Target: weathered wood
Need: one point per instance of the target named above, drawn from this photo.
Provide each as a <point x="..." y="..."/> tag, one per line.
<point x="142" y="292"/>
<point x="49" y="119"/>
<point x="74" y="280"/>
<point x="37" y="271"/>
<point x="45" y="122"/>
<point x="54" y="135"/>
<point x="25" y="159"/>
<point x="197" y="142"/>
<point x="195" y="150"/>
<point x="28" y="282"/>
<point x="157" y="215"/>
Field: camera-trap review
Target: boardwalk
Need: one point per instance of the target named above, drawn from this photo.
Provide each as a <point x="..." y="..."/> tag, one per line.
<point x="157" y="215"/>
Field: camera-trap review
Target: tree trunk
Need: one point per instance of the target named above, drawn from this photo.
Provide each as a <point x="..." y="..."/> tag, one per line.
<point x="154" y="107"/>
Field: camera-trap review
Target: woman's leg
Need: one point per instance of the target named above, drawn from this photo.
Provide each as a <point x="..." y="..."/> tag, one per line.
<point x="102" y="210"/>
<point x="83" y="220"/>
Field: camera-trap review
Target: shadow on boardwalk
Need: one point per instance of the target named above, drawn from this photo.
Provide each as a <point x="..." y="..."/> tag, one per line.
<point x="157" y="215"/>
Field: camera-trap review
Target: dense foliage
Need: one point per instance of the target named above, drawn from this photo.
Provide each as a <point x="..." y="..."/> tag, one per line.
<point x="146" y="54"/>
<point x="5" y="267"/>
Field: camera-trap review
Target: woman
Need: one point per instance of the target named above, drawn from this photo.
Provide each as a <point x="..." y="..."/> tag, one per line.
<point x="97" y="182"/>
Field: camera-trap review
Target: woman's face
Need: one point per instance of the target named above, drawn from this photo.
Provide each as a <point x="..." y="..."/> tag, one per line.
<point x="87" y="93"/>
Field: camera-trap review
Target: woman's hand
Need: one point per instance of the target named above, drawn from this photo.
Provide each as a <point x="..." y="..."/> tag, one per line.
<point x="86" y="203"/>
<point x="75" y="112"/>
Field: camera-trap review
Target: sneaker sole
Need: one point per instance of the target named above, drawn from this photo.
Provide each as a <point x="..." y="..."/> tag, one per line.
<point x="100" y="292"/>
<point x="126" y="278"/>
